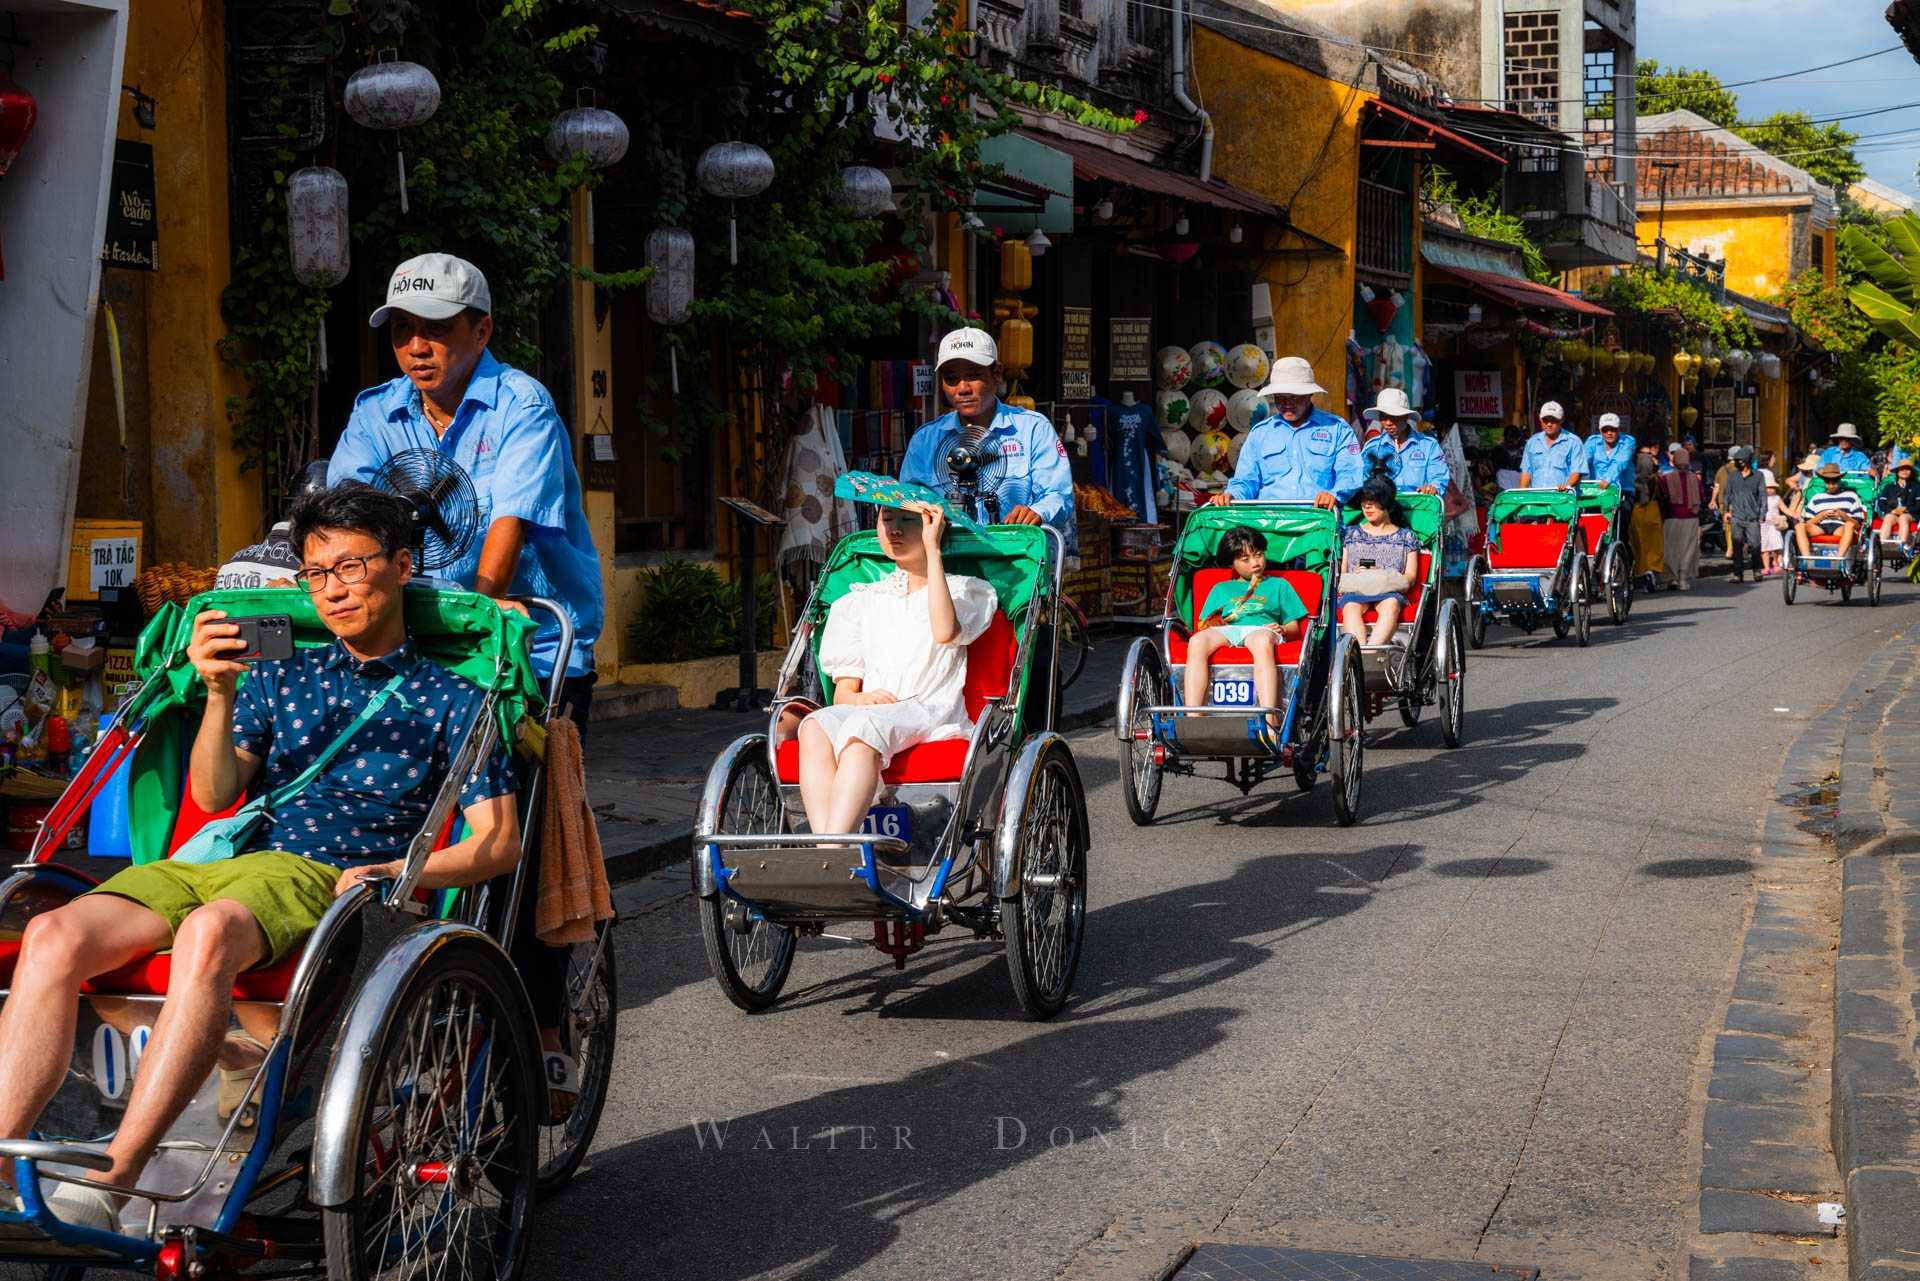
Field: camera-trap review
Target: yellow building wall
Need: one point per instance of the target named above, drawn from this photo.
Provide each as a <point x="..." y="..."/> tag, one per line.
<point x="1756" y="240"/>
<point x="201" y="506"/>
<point x="1259" y="103"/>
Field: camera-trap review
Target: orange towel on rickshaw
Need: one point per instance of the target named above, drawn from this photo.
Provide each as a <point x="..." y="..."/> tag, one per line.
<point x="573" y="873"/>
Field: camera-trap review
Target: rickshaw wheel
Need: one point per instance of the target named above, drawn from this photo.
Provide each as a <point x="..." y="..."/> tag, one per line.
<point x="1874" y="563"/>
<point x="1789" y="574"/>
<point x="1583" y="609"/>
<point x="1304" y="774"/>
<point x="1045" y="922"/>
<point x="447" y="1161"/>
<point x="1846" y="591"/>
<point x="750" y="964"/>
<point x="1142" y="778"/>
<point x="1453" y="685"/>
<point x="1345" y="748"/>
<point x="1410" y="710"/>
<point x="1619" y="584"/>
<point x="592" y="1007"/>
<point x="1476" y="616"/>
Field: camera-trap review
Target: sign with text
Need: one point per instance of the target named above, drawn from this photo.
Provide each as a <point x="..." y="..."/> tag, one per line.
<point x="131" y="219"/>
<point x="1130" y="350"/>
<point x="1476" y="394"/>
<point x="112" y="562"/>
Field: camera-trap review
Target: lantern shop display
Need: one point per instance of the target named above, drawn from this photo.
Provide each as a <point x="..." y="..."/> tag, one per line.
<point x="1208" y="410"/>
<point x="1248" y="367"/>
<point x="1173" y="368"/>
<point x="317" y="226"/>
<point x="1209" y="363"/>
<point x="390" y="96"/>
<point x="1171" y="408"/>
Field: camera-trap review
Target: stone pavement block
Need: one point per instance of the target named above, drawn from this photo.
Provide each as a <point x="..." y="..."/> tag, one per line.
<point x="1756" y="1147"/>
<point x="1865" y="927"/>
<point x="1864" y="1066"/>
<point x="1775" y="1020"/>
<point x="1863" y="1013"/>
<point x="1883" y="1217"/>
<point x="1699" y="1269"/>
<point x="1729" y="1046"/>
<point x="1748" y="1124"/>
<point x="1865" y="973"/>
<point x="1875" y="1129"/>
<point x="1758" y="985"/>
<point x="1751" y="1081"/>
<point x="1724" y="1211"/>
<point x="1856" y="872"/>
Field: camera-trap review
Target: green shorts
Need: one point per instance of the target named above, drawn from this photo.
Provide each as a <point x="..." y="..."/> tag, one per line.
<point x="286" y="894"/>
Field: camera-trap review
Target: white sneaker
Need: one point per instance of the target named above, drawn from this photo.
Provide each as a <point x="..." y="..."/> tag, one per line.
<point x="83" y="1207"/>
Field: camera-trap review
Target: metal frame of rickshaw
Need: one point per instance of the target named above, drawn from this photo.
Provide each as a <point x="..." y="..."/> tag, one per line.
<point x="1530" y="597"/>
<point x="1864" y="565"/>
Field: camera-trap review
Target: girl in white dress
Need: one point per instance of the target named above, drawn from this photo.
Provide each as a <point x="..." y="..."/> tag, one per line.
<point x="896" y="651"/>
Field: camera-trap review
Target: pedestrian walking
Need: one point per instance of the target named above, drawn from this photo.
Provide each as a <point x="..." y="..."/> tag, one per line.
<point x="1744" y="500"/>
<point x="1681" y="501"/>
<point x="1644" y="530"/>
<point x="1773" y="530"/>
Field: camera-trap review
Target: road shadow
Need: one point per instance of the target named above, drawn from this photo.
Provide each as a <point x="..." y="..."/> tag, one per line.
<point x="814" y="1189"/>
<point x="1477" y="869"/>
<point x="1688" y="869"/>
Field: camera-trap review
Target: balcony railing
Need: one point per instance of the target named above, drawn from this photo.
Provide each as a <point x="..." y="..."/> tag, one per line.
<point x="1385" y="243"/>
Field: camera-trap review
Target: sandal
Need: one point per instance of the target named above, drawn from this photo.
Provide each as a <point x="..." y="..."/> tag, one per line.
<point x="236" y="1095"/>
<point x="562" y="1071"/>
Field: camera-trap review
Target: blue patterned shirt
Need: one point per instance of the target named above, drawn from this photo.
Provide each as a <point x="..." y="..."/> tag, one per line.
<point x="373" y="799"/>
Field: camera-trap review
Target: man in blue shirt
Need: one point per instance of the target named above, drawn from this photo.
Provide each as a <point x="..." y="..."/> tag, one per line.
<point x="1298" y="454"/>
<point x="1412" y="459"/>
<point x="1844" y="450"/>
<point x="1610" y="456"/>
<point x="501" y="427"/>
<point x="404" y="719"/>
<point x="1037" y="484"/>
<point x="1553" y="459"/>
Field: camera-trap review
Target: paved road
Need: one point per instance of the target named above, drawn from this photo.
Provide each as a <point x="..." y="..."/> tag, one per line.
<point x="1473" y="1026"/>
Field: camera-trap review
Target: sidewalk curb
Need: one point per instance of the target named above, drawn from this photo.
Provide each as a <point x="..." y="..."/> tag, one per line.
<point x="1875" y="1109"/>
<point x="676" y="845"/>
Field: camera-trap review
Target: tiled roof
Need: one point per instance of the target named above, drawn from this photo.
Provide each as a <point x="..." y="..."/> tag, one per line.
<point x="1712" y="162"/>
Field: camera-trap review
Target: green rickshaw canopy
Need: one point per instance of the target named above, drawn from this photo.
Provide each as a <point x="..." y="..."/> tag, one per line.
<point x="1298" y="536"/>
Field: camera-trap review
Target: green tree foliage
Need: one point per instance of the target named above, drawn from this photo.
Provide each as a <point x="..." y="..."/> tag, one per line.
<point x="1888" y="289"/>
<point x="1644" y="290"/>
<point x="1824" y="150"/>
<point x="1659" y="89"/>
<point x="1481" y="215"/>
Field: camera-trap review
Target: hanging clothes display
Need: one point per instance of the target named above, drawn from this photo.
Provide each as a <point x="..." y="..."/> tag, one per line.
<point x="1130" y="430"/>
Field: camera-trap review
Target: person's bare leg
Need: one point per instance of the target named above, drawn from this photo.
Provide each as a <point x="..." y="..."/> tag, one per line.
<point x="1353" y="620"/>
<point x="1266" y="673"/>
<point x="816" y="774"/>
<point x="1800" y="539"/>
<point x="1385" y="622"/>
<point x="1846" y="541"/>
<point x="854" y="783"/>
<point x="213" y="945"/>
<point x="1195" y="679"/>
<point x="60" y="950"/>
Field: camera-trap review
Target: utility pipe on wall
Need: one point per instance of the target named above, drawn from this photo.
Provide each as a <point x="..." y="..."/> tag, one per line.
<point x="1180" y="94"/>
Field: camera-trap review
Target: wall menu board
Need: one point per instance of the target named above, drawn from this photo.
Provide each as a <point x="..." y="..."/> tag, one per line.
<point x="1076" y="353"/>
<point x="1130" y="349"/>
<point x="131" y="218"/>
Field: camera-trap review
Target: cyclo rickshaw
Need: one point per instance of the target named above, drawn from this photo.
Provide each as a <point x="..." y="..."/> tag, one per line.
<point x="1424" y="663"/>
<point x="1535" y="568"/>
<point x="987" y="833"/>
<point x="1895" y="555"/>
<point x="1603" y="520"/>
<point x="1862" y="566"/>
<point x="1322" y="703"/>
<point x="391" y="1115"/>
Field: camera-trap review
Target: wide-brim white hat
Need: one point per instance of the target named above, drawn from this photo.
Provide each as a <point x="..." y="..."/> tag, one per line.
<point x="1845" y="431"/>
<point x="1292" y="376"/>
<point x="1391" y="404"/>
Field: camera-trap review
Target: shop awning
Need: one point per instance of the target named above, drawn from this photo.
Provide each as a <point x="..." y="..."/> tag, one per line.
<point x="1515" y="292"/>
<point x="1437" y="133"/>
<point x="1097" y="164"/>
<point x="1765" y="316"/>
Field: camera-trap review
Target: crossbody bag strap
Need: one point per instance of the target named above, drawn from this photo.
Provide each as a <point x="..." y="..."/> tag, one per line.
<point x="320" y="762"/>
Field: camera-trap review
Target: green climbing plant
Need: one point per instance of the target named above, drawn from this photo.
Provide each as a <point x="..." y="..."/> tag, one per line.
<point x="1647" y="291"/>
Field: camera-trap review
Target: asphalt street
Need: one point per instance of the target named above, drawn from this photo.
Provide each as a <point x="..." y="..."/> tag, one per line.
<point x="1474" y="1026"/>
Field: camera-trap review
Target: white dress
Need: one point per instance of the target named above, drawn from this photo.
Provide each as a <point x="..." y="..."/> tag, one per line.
<point x="880" y="633"/>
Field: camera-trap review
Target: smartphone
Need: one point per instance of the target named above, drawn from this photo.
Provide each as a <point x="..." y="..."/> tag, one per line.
<point x="1364" y="564"/>
<point x="268" y="638"/>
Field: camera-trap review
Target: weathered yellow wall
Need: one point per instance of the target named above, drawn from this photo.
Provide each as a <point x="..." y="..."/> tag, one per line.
<point x="593" y="354"/>
<point x="1755" y="239"/>
<point x="1268" y="117"/>
<point x="203" y="508"/>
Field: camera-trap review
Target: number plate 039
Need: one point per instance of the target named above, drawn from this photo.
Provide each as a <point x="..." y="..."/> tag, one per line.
<point x="1232" y="694"/>
<point x="888" y="820"/>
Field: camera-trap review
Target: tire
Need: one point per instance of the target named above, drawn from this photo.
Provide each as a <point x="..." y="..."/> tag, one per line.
<point x="1583" y="609"/>
<point x="1410" y="708"/>
<point x="1875" y="566"/>
<point x="1452" y="662"/>
<point x="1075" y="643"/>
<point x="1563" y="617"/>
<point x="1141" y="779"/>
<point x="1346" y="746"/>
<point x="1846" y="591"/>
<point x="750" y="965"/>
<point x="1045" y="923"/>
<point x="593" y="1008"/>
<point x="1789" y="575"/>
<point x="462" y="1026"/>
<point x="1476" y="615"/>
<point x="1619" y="580"/>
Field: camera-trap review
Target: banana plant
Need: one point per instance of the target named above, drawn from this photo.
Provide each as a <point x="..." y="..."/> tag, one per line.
<point x="1890" y="298"/>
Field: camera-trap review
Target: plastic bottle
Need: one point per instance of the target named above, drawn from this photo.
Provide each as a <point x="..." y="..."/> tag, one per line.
<point x="40" y="654"/>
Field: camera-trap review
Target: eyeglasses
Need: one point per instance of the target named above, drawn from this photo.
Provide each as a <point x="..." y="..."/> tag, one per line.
<point x="346" y="572"/>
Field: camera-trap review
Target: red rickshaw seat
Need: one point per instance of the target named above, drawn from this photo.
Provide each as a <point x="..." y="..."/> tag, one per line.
<point x="1306" y="583"/>
<point x="989" y="673"/>
<point x="1414" y="594"/>
<point x="149" y="975"/>
<point x="1597" y="529"/>
<point x="1528" y="546"/>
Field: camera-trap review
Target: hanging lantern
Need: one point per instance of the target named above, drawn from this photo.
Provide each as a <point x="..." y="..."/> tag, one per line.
<point x="1015" y="341"/>
<point x="391" y="96"/>
<point x="1769" y="365"/>
<point x="1738" y="363"/>
<point x="1016" y="265"/>
<point x="1713" y="366"/>
<point x="1682" y="363"/>
<point x="733" y="171"/>
<point x="317" y="226"/>
<point x="670" y="287"/>
<point x="865" y="192"/>
<point x="1688" y="417"/>
<point x="591" y="132"/>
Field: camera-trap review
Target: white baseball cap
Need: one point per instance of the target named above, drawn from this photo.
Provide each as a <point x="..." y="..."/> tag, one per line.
<point x="975" y="346"/>
<point x="1292" y="376"/>
<point x="1392" y="403"/>
<point x="1552" y="410"/>
<point x="434" y="287"/>
<point x="1675" y="448"/>
<point x="1609" y="420"/>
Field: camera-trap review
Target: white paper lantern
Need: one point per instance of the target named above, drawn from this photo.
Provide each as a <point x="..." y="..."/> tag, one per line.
<point x="733" y="171"/>
<point x="1769" y="365"/>
<point x="865" y="192"/>
<point x="317" y="229"/>
<point x="670" y="287"/>
<point x="389" y="96"/>
<point x="592" y="132"/>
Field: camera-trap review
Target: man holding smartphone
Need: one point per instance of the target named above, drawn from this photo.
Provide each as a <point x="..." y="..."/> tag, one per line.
<point x="268" y="722"/>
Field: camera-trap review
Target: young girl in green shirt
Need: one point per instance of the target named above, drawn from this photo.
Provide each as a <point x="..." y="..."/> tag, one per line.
<point x="1254" y="609"/>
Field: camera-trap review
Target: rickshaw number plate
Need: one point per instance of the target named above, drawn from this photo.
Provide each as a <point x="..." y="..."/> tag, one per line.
<point x="1216" y="1262"/>
<point x="1232" y="694"/>
<point x="889" y="820"/>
